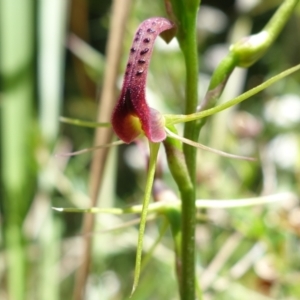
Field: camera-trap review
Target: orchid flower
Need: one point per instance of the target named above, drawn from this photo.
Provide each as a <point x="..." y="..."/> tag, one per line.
<point x="132" y="117"/>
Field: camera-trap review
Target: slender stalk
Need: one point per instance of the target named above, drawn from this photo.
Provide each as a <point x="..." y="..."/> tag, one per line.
<point x="180" y="173"/>
<point x="191" y="64"/>
<point x="189" y="48"/>
<point x="154" y="147"/>
<point x="52" y="25"/>
<point x="184" y="14"/>
<point x="83" y="123"/>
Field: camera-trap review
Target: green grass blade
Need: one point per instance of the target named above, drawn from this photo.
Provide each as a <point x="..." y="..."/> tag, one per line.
<point x="52" y="25"/>
<point x="16" y="58"/>
<point x="154" y="147"/>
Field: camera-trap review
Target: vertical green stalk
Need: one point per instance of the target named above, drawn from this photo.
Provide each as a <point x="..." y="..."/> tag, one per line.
<point x="242" y="54"/>
<point x="189" y="48"/>
<point x="180" y="173"/>
<point x="184" y="13"/>
<point x="16" y="39"/>
<point x="48" y="287"/>
<point x="189" y="196"/>
<point x="52" y="25"/>
<point x="52" y="20"/>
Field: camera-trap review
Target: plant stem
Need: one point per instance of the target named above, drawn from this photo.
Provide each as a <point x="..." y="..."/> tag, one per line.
<point x="191" y="63"/>
<point x="189" y="48"/>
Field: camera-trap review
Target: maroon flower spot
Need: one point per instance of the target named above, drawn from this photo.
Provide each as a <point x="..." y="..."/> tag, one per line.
<point x="132" y="50"/>
<point x="146" y="40"/>
<point x="139" y="32"/>
<point x="150" y="30"/>
<point x="144" y="51"/>
<point x="141" y="61"/>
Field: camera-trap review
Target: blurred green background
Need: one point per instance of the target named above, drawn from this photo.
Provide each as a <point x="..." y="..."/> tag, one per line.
<point x="52" y="63"/>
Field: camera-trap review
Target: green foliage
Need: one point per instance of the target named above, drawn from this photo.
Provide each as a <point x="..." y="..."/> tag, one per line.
<point x="241" y="252"/>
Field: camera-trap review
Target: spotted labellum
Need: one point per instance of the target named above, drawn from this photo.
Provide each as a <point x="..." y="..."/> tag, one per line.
<point x="132" y="116"/>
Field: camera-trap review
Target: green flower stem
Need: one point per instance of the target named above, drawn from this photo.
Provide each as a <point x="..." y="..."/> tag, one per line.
<point x="218" y="81"/>
<point x="248" y="50"/>
<point x="184" y="14"/>
<point x="154" y="147"/>
<point x="280" y="18"/>
<point x="189" y="48"/>
<point x="173" y="215"/>
<point x="177" y="162"/>
<point x="180" y="173"/>
<point x="175" y="119"/>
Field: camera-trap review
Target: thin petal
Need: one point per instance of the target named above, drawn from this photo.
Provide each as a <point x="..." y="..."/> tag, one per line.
<point x="157" y="126"/>
<point x="203" y="147"/>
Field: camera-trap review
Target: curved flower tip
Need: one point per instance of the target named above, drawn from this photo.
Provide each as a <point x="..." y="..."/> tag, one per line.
<point x="132" y="116"/>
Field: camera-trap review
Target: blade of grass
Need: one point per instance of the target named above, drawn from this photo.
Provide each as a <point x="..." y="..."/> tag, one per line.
<point x="52" y="34"/>
<point x="50" y="247"/>
<point x="52" y="21"/>
<point x="16" y="58"/>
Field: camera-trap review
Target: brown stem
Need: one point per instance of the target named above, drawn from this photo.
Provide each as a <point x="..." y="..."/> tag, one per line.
<point x="120" y="12"/>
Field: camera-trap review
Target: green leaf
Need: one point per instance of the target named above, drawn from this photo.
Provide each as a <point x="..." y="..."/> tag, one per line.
<point x="154" y="147"/>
